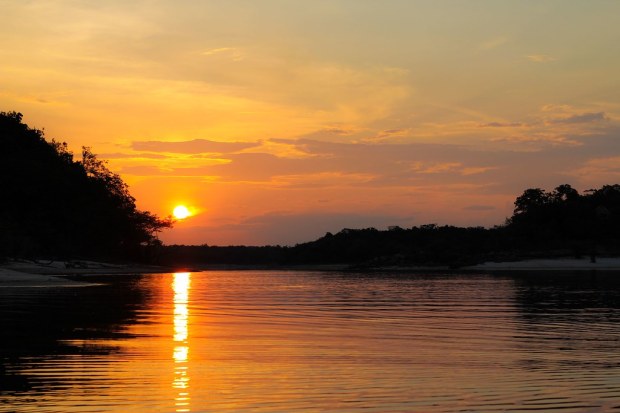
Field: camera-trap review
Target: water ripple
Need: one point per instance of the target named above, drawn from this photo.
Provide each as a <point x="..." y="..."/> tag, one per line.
<point x="259" y="341"/>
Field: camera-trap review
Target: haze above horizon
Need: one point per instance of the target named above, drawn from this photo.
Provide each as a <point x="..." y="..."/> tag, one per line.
<point x="277" y="121"/>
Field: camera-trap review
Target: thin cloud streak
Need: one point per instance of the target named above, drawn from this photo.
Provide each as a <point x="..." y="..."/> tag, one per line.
<point x="540" y="58"/>
<point x="192" y="147"/>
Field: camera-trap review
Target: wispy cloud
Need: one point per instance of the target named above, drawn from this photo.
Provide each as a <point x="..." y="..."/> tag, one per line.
<point x="536" y="141"/>
<point x="389" y="135"/>
<point x="493" y="43"/>
<point x="476" y="170"/>
<point x="450" y="167"/>
<point x="125" y="155"/>
<point x="540" y="58"/>
<point x="582" y="118"/>
<point x="231" y="53"/>
<point x="193" y="147"/>
<point x="501" y="125"/>
<point x="599" y="170"/>
<point x="436" y="168"/>
<point x="479" y="208"/>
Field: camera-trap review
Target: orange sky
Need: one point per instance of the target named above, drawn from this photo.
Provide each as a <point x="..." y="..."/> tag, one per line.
<point x="276" y="121"/>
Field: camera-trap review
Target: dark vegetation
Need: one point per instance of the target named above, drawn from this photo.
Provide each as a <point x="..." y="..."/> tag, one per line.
<point x="53" y="206"/>
<point x="544" y="224"/>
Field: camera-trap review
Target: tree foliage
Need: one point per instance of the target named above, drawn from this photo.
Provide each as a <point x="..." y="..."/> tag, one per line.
<point x="565" y="216"/>
<point x="54" y="205"/>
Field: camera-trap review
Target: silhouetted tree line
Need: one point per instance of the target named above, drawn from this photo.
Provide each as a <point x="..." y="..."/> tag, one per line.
<point x="53" y="206"/>
<point x="564" y="219"/>
<point x="557" y="223"/>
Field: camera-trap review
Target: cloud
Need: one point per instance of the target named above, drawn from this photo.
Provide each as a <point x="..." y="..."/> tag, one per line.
<point x="450" y="167"/>
<point x="527" y="143"/>
<point x="493" y="43"/>
<point x="194" y="146"/>
<point x="324" y="180"/>
<point x="301" y="199"/>
<point x="330" y="133"/>
<point x="142" y="170"/>
<point x="172" y="169"/>
<point x="597" y="170"/>
<point x="567" y="114"/>
<point x="476" y="170"/>
<point x="479" y="208"/>
<point x="540" y="58"/>
<point x="501" y="125"/>
<point x="227" y="52"/>
<point x="310" y="163"/>
<point x="389" y="135"/>
<point x="582" y="118"/>
<point x="435" y="168"/>
<point x="392" y="132"/>
<point x="118" y="155"/>
<point x="433" y="182"/>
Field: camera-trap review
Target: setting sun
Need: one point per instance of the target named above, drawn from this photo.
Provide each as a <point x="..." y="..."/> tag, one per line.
<point x="181" y="212"/>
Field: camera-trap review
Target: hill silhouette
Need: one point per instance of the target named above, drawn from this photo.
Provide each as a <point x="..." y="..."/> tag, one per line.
<point x="54" y="206"/>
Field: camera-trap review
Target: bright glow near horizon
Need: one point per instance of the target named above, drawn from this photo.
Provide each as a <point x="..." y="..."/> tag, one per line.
<point x="290" y="119"/>
<point x="181" y="212"/>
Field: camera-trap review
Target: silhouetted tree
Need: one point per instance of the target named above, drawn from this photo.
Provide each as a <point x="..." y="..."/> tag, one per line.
<point x="53" y="205"/>
<point x="531" y="200"/>
<point x="564" y="193"/>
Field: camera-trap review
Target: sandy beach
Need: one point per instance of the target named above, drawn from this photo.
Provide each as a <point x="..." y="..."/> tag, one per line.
<point x="24" y="273"/>
<point x="12" y="278"/>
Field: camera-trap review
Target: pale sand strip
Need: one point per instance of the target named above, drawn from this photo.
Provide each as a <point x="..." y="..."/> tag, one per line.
<point x="559" y="264"/>
<point x="25" y="273"/>
<point x="12" y="278"/>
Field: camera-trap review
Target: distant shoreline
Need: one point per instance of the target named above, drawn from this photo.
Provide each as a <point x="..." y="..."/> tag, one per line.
<point x="56" y="274"/>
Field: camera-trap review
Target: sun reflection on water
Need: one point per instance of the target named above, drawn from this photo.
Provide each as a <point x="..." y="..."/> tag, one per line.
<point x="180" y="355"/>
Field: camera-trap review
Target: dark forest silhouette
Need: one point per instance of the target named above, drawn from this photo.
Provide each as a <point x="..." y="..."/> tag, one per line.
<point x="53" y="206"/>
<point x="544" y="224"/>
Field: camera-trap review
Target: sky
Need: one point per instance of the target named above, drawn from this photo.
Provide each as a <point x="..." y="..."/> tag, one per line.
<point x="276" y="121"/>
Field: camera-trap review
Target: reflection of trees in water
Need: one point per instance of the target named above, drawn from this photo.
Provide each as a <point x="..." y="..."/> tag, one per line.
<point x="43" y="323"/>
<point x="568" y="321"/>
<point x="551" y="295"/>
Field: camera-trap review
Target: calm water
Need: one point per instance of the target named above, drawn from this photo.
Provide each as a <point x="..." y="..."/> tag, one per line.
<point x="258" y="341"/>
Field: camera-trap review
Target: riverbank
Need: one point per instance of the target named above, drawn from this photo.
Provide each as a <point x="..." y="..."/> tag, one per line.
<point x="22" y="273"/>
<point x="26" y="273"/>
<point x="12" y="278"/>
<point x="551" y="264"/>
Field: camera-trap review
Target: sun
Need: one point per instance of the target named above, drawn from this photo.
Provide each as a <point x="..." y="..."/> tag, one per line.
<point x="180" y="212"/>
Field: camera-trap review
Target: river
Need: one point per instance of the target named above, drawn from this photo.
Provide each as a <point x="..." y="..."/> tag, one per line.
<point x="295" y="341"/>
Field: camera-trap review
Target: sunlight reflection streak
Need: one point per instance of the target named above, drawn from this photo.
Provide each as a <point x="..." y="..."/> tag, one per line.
<point x="180" y="354"/>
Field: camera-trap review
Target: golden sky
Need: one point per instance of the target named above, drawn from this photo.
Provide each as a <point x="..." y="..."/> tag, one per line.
<point x="276" y="121"/>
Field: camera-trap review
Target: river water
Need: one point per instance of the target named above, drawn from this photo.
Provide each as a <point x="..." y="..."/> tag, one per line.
<point x="277" y="341"/>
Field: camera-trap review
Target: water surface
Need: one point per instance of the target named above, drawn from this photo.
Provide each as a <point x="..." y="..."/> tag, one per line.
<point x="265" y="341"/>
